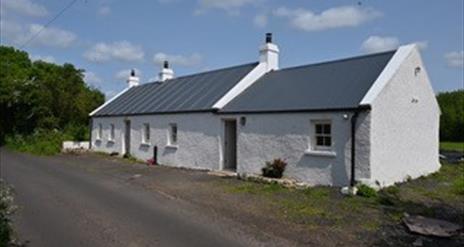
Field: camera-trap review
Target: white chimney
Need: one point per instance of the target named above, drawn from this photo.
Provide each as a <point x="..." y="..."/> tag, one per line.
<point x="166" y="73"/>
<point x="269" y="54"/>
<point x="133" y="80"/>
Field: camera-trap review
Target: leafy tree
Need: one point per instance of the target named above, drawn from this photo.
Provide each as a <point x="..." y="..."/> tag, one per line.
<point x="452" y="115"/>
<point x="42" y="96"/>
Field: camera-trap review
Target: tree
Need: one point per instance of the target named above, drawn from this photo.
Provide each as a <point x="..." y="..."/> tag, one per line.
<point x="40" y="95"/>
<point x="452" y="115"/>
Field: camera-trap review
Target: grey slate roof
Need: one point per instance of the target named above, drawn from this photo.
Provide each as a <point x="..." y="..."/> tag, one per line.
<point x="338" y="84"/>
<point x="191" y="93"/>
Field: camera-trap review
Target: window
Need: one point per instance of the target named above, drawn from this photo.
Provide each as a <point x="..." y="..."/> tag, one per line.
<point x="111" y="137"/>
<point x="322" y="136"/>
<point x="146" y="133"/>
<point x="99" y="132"/>
<point x="172" y="140"/>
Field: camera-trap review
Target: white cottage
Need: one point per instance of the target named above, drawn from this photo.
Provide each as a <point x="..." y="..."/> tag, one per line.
<point x="371" y="119"/>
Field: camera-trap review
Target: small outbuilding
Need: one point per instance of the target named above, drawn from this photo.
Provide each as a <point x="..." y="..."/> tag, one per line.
<point x="372" y="119"/>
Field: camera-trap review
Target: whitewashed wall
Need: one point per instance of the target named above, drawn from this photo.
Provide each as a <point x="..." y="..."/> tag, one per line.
<point x="405" y="132"/>
<point x="104" y="144"/>
<point x="197" y="139"/>
<point x="263" y="138"/>
<point x="268" y="136"/>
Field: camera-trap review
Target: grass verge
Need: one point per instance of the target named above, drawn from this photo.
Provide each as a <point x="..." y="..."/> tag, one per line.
<point x="452" y="146"/>
<point x="438" y="195"/>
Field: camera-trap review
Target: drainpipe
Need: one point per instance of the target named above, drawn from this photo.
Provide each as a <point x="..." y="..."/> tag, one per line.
<point x="354" y="119"/>
<point x="90" y="129"/>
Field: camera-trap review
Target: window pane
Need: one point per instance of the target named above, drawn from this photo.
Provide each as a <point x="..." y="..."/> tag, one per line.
<point x="319" y="141"/>
<point x="318" y="128"/>
<point x="173" y="134"/>
<point x="327" y="128"/>
<point x="327" y="141"/>
<point x="147" y="132"/>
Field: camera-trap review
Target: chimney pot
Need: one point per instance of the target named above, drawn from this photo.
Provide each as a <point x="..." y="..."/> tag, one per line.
<point x="166" y="73"/>
<point x="269" y="54"/>
<point x="268" y="37"/>
<point x="133" y="80"/>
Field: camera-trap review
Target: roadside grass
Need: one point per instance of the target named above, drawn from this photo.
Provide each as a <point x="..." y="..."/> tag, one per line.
<point x="39" y="143"/>
<point x="452" y="146"/>
<point x="437" y="195"/>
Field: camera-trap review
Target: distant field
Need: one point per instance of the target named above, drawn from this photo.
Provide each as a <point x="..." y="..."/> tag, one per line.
<point x="452" y="146"/>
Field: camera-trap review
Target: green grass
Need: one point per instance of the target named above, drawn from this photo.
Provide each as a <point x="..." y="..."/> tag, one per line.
<point x="369" y="212"/>
<point x="39" y="143"/>
<point x="452" y="146"/>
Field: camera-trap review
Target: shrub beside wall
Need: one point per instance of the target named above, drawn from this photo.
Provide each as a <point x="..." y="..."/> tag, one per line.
<point x="274" y="169"/>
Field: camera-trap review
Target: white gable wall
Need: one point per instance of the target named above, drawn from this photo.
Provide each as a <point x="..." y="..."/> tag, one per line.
<point x="405" y="124"/>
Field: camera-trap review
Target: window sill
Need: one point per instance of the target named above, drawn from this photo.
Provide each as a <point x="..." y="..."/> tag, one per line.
<point x="172" y="146"/>
<point x="111" y="141"/>
<point x="146" y="144"/>
<point x="321" y="153"/>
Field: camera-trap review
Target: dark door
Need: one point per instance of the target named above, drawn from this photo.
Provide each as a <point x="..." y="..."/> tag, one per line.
<point x="127" y="136"/>
<point x="230" y="145"/>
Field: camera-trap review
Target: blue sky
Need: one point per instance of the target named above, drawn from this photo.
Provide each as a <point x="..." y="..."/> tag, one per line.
<point x="108" y="37"/>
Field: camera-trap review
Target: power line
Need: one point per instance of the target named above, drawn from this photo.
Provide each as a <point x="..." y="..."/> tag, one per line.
<point x="48" y="23"/>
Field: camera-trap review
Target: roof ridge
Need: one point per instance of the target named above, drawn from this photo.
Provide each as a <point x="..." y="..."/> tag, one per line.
<point x="204" y="72"/>
<point x="337" y="60"/>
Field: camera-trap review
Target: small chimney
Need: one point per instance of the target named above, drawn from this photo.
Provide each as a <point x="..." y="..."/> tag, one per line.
<point x="166" y="73"/>
<point x="133" y="80"/>
<point x="269" y="54"/>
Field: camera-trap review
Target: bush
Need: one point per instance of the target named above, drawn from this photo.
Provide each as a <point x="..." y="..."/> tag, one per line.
<point x="6" y="210"/>
<point x="41" y="142"/>
<point x="366" y="191"/>
<point x="274" y="169"/>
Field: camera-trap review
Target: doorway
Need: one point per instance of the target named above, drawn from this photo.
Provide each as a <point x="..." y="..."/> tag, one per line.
<point x="230" y="145"/>
<point x="127" y="136"/>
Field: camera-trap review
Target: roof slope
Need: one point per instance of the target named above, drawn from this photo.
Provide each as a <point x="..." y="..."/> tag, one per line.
<point x="337" y="84"/>
<point x="196" y="92"/>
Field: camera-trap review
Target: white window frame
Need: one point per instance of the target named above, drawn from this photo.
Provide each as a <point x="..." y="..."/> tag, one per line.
<point x="324" y="135"/>
<point x="99" y="131"/>
<point x="173" y="135"/>
<point x="146" y="133"/>
<point x="112" y="133"/>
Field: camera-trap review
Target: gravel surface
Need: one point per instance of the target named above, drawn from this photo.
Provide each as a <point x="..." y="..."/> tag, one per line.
<point x="92" y="200"/>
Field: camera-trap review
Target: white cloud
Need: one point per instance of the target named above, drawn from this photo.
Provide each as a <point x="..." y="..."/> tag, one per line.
<point x="124" y="74"/>
<point x="455" y="59"/>
<point x="19" y="34"/>
<point x="260" y="20"/>
<point x="92" y="78"/>
<point x="230" y="6"/>
<point x="48" y="59"/>
<point x="104" y="10"/>
<point x="379" y="44"/>
<point x="187" y="61"/>
<point x="122" y="51"/>
<point x="24" y="7"/>
<point x="338" y="17"/>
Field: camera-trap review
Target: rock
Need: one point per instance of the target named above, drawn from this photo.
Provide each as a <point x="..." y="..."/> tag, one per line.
<point x="135" y="176"/>
<point x="349" y="190"/>
<point x="430" y="227"/>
